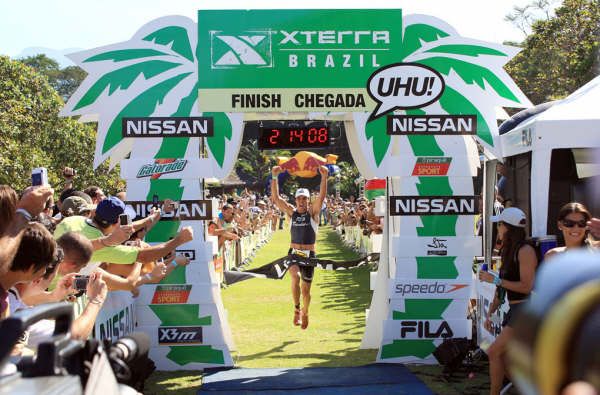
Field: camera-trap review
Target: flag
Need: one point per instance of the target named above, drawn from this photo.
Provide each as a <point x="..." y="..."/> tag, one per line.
<point x="374" y="188"/>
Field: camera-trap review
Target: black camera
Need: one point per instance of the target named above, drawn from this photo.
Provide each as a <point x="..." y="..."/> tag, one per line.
<point x="124" y="219"/>
<point x="68" y="365"/>
<point x="80" y="282"/>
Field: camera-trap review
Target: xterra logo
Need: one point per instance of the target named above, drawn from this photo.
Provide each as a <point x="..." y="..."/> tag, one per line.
<point x="180" y="335"/>
<point x="253" y="49"/>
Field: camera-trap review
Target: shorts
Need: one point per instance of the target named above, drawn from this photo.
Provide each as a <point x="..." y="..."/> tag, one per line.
<point x="306" y="272"/>
<point x="512" y="315"/>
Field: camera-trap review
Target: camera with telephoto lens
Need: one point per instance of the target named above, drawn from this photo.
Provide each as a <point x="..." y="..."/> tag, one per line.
<point x="68" y="366"/>
<point x="555" y="341"/>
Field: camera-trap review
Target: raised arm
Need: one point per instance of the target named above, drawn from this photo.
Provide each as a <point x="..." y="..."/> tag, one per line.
<point x="277" y="200"/>
<point x="318" y="203"/>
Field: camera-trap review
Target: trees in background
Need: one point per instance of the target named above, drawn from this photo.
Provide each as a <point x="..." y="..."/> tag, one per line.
<point x="65" y="81"/>
<point x="562" y="52"/>
<point x="33" y="135"/>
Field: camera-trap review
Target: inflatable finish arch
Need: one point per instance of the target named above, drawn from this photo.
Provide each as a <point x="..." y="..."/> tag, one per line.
<point x="412" y="93"/>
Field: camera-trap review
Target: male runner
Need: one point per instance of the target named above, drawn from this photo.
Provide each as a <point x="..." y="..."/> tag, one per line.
<point x="304" y="226"/>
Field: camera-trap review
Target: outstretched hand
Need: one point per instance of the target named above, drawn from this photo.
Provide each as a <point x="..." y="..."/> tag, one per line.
<point x="323" y="171"/>
<point x="277" y="170"/>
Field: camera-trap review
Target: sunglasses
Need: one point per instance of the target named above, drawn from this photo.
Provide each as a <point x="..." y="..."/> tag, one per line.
<point x="570" y="223"/>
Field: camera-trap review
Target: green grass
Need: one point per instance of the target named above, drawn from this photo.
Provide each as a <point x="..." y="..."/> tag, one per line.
<point x="260" y="315"/>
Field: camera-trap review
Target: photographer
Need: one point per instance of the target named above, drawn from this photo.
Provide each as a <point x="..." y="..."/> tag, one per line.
<point x="105" y="221"/>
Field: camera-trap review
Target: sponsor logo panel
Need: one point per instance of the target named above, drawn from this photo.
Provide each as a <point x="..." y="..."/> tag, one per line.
<point x="171" y="294"/>
<point x="186" y="210"/>
<point x="431" y="166"/>
<point x="174" y="335"/>
<point x="167" y="127"/>
<point x="161" y="166"/>
<point x="433" y="205"/>
<point x="455" y="125"/>
<point x="426" y="329"/>
<point x="429" y="289"/>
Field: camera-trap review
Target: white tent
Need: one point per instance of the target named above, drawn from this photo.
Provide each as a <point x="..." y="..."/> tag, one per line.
<point x="574" y="122"/>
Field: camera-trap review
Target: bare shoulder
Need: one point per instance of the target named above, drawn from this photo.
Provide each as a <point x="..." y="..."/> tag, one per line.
<point x="527" y="253"/>
<point x="554" y="251"/>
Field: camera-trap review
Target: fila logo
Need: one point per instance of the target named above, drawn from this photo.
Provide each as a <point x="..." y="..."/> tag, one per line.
<point x="251" y="49"/>
<point x="426" y="329"/>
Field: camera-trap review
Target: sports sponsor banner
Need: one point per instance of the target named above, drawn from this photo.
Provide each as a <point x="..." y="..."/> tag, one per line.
<point x="191" y="357"/>
<point x="167" y="127"/>
<point x="186" y="210"/>
<point x="181" y="335"/>
<point x="435" y="267"/>
<point x="251" y="51"/>
<point x="117" y="318"/>
<point x="444" y="307"/>
<point x="434" y="205"/>
<point x="431" y="125"/>
<point x="176" y="335"/>
<point x="161" y="167"/>
<point x="432" y="166"/>
<point x="410" y="288"/>
<point x="435" y="186"/>
<point x="175" y="293"/>
<point x="426" y="329"/>
<point x="436" y="246"/>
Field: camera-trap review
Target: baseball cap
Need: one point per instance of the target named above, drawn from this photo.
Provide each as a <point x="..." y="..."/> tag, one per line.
<point x="303" y="192"/>
<point x="511" y="215"/>
<point x="109" y="209"/>
<point x="75" y="205"/>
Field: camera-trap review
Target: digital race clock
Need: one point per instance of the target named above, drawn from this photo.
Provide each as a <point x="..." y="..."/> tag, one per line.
<point x="286" y="137"/>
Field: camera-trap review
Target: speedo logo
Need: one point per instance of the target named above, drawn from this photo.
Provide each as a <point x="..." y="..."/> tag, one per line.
<point x="251" y="48"/>
<point x="436" y="288"/>
<point x="161" y="166"/>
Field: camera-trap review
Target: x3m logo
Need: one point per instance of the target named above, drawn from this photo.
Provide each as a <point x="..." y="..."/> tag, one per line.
<point x="252" y="49"/>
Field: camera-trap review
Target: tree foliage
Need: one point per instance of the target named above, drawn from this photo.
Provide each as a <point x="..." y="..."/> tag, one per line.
<point x="349" y="174"/>
<point x="561" y="54"/>
<point x="33" y="135"/>
<point x="65" y="81"/>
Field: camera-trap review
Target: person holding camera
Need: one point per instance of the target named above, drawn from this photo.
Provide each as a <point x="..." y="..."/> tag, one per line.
<point x="517" y="275"/>
<point x="105" y="222"/>
<point x="15" y="215"/>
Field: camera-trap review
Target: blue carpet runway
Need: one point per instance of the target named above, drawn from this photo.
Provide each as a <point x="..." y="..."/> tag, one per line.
<point x="369" y="379"/>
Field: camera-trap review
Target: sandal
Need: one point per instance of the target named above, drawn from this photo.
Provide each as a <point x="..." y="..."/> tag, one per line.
<point x="297" y="317"/>
<point x="304" y="321"/>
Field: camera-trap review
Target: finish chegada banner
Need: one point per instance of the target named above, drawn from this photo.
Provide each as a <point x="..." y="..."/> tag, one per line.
<point x="414" y="95"/>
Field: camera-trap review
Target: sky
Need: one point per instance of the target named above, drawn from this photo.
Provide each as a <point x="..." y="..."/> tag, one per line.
<point x="85" y="24"/>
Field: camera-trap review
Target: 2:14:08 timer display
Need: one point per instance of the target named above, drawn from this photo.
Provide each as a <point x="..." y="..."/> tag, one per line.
<point x="293" y="138"/>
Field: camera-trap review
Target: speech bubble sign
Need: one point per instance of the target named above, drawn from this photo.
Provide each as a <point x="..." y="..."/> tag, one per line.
<point x="404" y="86"/>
